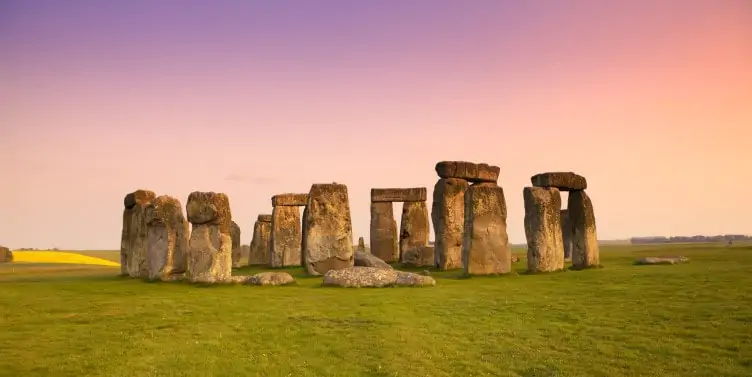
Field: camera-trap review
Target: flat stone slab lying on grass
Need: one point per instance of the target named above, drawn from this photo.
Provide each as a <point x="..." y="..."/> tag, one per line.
<point x="371" y="277"/>
<point x="363" y="259"/>
<point x="264" y="278"/>
<point x="661" y="260"/>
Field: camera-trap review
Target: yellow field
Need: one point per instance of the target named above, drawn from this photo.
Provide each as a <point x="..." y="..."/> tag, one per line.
<point x="59" y="257"/>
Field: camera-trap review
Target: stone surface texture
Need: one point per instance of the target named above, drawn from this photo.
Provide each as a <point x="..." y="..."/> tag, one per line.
<point x="585" y="250"/>
<point x="286" y="237"/>
<point x="566" y="234"/>
<point x="485" y="247"/>
<point x="298" y="200"/>
<point x="167" y="238"/>
<point x="329" y="239"/>
<point x="414" y="194"/>
<point x="271" y="278"/>
<point x="448" y="217"/>
<point x="564" y="181"/>
<point x="133" y="240"/>
<point x="545" y="247"/>
<point x="363" y="259"/>
<point x="210" y="245"/>
<point x="239" y="257"/>
<point x="414" y="227"/>
<point x="370" y="277"/>
<point x="468" y="171"/>
<point x="260" y="243"/>
<point x="419" y="257"/>
<point x="384" y="241"/>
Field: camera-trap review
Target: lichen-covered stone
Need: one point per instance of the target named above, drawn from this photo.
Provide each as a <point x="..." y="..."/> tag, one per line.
<point x="545" y="247"/>
<point x="329" y="239"/>
<point x="485" y="248"/>
<point x="167" y="239"/>
<point x="566" y="234"/>
<point x="363" y="259"/>
<point x="414" y="227"/>
<point x="361" y="277"/>
<point x="468" y="171"/>
<point x="384" y="241"/>
<point x="585" y="251"/>
<point x="295" y="200"/>
<point x="414" y="194"/>
<point x="419" y="257"/>
<point x="133" y="240"/>
<point x="6" y="255"/>
<point x="260" y="244"/>
<point x="271" y="278"/>
<point x="286" y="237"/>
<point x="303" y="233"/>
<point x="210" y="245"/>
<point x="564" y="181"/>
<point x="410" y="279"/>
<point x="448" y="217"/>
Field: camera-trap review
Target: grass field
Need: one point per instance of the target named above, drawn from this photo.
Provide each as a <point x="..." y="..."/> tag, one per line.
<point x="622" y="320"/>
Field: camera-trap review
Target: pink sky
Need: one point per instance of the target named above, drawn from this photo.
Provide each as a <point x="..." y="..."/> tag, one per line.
<point x="651" y="101"/>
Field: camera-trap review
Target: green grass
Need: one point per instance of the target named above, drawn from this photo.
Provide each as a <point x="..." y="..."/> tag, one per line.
<point x="622" y="320"/>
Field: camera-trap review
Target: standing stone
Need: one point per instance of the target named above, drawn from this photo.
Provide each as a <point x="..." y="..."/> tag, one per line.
<point x="545" y="246"/>
<point x="384" y="242"/>
<point x="329" y="240"/>
<point x="210" y="245"/>
<point x="6" y="255"/>
<point x="485" y="248"/>
<point x="133" y="241"/>
<point x="585" y="251"/>
<point x="260" y="243"/>
<point x="414" y="227"/>
<point x="448" y="217"/>
<point x="303" y="237"/>
<point x="167" y="239"/>
<point x="239" y="255"/>
<point x="286" y="237"/>
<point x="419" y="257"/>
<point x="361" y="245"/>
<point x="566" y="234"/>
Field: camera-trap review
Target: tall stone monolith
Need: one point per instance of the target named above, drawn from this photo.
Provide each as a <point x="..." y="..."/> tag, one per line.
<point x="448" y="217"/>
<point x="260" y="243"/>
<point x="585" y="251"/>
<point x="545" y="246"/>
<point x="384" y="242"/>
<point x="285" y="237"/>
<point x="329" y="239"/>
<point x="167" y="239"/>
<point x="414" y="228"/>
<point x="485" y="248"/>
<point x="239" y="254"/>
<point x="210" y="245"/>
<point x="566" y="234"/>
<point x="133" y="241"/>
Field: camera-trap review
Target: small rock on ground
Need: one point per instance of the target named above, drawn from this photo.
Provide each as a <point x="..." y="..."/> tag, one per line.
<point x="661" y="260"/>
<point x="271" y="278"/>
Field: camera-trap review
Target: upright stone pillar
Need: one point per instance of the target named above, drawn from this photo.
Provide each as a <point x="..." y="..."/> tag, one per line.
<point x="260" y="243"/>
<point x="545" y="247"/>
<point x="384" y="244"/>
<point x="133" y="240"/>
<point x="303" y="236"/>
<point x="566" y="234"/>
<point x="239" y="254"/>
<point x="414" y="228"/>
<point x="585" y="251"/>
<point x="210" y="245"/>
<point x="361" y="245"/>
<point x="329" y="239"/>
<point x="485" y="247"/>
<point x="448" y="217"/>
<point x="286" y="235"/>
<point x="167" y="240"/>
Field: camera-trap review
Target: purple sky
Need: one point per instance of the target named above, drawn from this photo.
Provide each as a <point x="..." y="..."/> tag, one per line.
<point x="651" y="101"/>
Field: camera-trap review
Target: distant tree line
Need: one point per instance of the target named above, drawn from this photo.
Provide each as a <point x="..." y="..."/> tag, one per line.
<point x="686" y="239"/>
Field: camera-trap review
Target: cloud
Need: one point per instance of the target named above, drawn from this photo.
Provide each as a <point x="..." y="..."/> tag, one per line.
<point x="250" y="180"/>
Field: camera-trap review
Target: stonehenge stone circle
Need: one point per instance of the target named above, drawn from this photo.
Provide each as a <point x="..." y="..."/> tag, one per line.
<point x="585" y="251"/>
<point x="448" y="217"/>
<point x="564" y="181"/>
<point x="133" y="240"/>
<point x="239" y="254"/>
<point x="261" y="242"/>
<point x="286" y="232"/>
<point x="210" y="245"/>
<point x="414" y="227"/>
<point x="6" y="255"/>
<point x="328" y="229"/>
<point x="566" y="233"/>
<point x="485" y="247"/>
<point x="384" y="241"/>
<point x="545" y="247"/>
<point x="167" y="239"/>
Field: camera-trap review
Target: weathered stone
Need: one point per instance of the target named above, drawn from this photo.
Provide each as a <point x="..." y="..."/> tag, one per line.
<point x="485" y="247"/>
<point x="415" y="194"/>
<point x="210" y="245"/>
<point x="133" y="240"/>
<point x="384" y="243"/>
<point x="167" y="239"/>
<point x="409" y="279"/>
<point x="448" y="217"/>
<point x="564" y="181"/>
<point x="260" y="244"/>
<point x="515" y="259"/>
<point x="566" y="234"/>
<point x="271" y="278"/>
<point x="303" y="233"/>
<point x="419" y="257"/>
<point x="297" y="200"/>
<point x="585" y="251"/>
<point x="361" y="277"/>
<point x="414" y="227"/>
<point x="468" y="171"/>
<point x="361" y="245"/>
<point x="329" y="239"/>
<point x="264" y="218"/>
<point x="239" y="258"/>
<point x="6" y="255"/>
<point x="661" y="260"/>
<point x="545" y="247"/>
<point x="286" y="237"/>
<point x="363" y="259"/>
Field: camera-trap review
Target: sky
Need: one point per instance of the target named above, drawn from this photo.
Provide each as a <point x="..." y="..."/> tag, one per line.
<point x="651" y="101"/>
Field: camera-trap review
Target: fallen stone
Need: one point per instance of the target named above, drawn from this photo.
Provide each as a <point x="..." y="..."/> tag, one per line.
<point x="329" y="239"/>
<point x="485" y="248"/>
<point x="448" y="217"/>
<point x="360" y="277"/>
<point x="260" y="244"/>
<point x="419" y="257"/>
<point x="545" y="247"/>
<point x="296" y="200"/>
<point x="361" y="245"/>
<point x="661" y="260"/>
<point x="167" y="238"/>
<point x="585" y="250"/>
<point x="416" y="194"/>
<point x="564" y="181"/>
<point x="468" y="171"/>
<point x="133" y="240"/>
<point x="383" y="231"/>
<point x="363" y="259"/>
<point x="210" y="245"/>
<point x="6" y="255"/>
<point x="286" y="237"/>
<point x="271" y="278"/>
<point x="409" y="279"/>
<point x="414" y="227"/>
